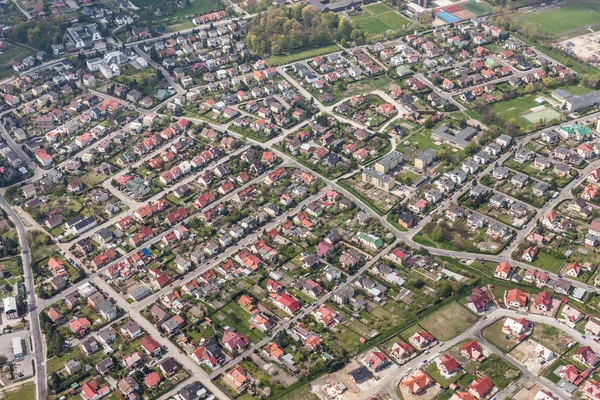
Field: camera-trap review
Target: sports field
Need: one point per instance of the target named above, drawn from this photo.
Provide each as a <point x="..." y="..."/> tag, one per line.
<point x="519" y="107"/>
<point x="478" y="9"/>
<point x="378" y="18"/>
<point x="542" y="112"/>
<point x="559" y="20"/>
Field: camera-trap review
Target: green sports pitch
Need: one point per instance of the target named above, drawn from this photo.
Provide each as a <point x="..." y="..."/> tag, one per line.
<point x="570" y="17"/>
<point x="379" y="18"/>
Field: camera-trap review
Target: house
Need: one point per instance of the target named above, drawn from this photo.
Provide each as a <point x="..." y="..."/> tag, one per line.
<point x="472" y="351"/>
<point x="542" y="301"/>
<point x="503" y="270"/>
<point x="237" y="379"/>
<point x="530" y="253"/>
<point x="515" y="327"/>
<point x="80" y="326"/>
<point x="592" y="328"/>
<point x="478" y="301"/>
<point x="376" y="361"/>
<point x="234" y="341"/>
<point x="421" y="339"/>
<point x="150" y="346"/>
<point x="479" y="388"/>
<point x="90" y="390"/>
<point x="418" y="382"/>
<point x="515" y="298"/>
<point x="360" y="375"/>
<point x="585" y="355"/>
<point x="571" y="315"/>
<point x="573" y="269"/>
<point x="131" y="329"/>
<point x="402" y="350"/>
<point x="570" y="374"/>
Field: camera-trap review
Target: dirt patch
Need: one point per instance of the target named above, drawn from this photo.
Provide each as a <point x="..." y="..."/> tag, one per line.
<point x="528" y="391"/>
<point x="525" y="354"/>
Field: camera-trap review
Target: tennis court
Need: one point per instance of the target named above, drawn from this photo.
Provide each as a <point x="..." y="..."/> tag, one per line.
<point x="447" y="17"/>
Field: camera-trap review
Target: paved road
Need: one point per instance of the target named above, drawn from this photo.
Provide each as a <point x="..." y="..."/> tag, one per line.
<point x="404" y="236"/>
<point x="35" y="330"/>
<point x="394" y="374"/>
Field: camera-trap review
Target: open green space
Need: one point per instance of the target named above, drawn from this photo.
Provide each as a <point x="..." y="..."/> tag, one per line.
<point x="499" y="371"/>
<point x="551" y="337"/>
<point x="448" y="322"/>
<point x="235" y="316"/>
<point x="547" y="262"/>
<point x="13" y="52"/>
<point x="494" y="335"/>
<point x="379" y="18"/>
<point x="433" y="371"/>
<point x="301" y="55"/>
<point x="478" y="9"/>
<point x="199" y="7"/>
<point x="559" y="20"/>
<point x="516" y="108"/>
<point x="26" y="391"/>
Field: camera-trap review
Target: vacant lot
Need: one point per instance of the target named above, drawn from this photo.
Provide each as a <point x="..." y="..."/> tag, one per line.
<point x="448" y="322"/>
<point x="26" y="391"/>
<point x="379" y="18"/>
<point x="551" y="337"/>
<point x="559" y="20"/>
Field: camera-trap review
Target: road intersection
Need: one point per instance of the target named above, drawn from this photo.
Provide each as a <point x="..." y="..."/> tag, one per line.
<point x="35" y="305"/>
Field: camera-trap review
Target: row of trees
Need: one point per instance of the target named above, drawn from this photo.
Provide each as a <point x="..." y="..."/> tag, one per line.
<point x="282" y="30"/>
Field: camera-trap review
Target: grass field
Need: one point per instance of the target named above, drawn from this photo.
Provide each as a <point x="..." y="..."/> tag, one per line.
<point x="301" y="55"/>
<point x="548" y="262"/>
<point x="478" y="8"/>
<point x="551" y="337"/>
<point x="494" y="335"/>
<point x="516" y="108"/>
<point x="547" y="114"/>
<point x="13" y="52"/>
<point x="378" y="18"/>
<point x="199" y="7"/>
<point x="26" y="391"/>
<point x="448" y="322"/>
<point x="564" y="19"/>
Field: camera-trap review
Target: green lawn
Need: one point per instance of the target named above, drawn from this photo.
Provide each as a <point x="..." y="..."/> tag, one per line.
<point x="494" y="335"/>
<point x="199" y="7"/>
<point x="379" y="18"/>
<point x="301" y="55"/>
<point x="235" y="316"/>
<point x="13" y="52"/>
<point x="548" y="262"/>
<point x="348" y="339"/>
<point x="26" y="391"/>
<point x="448" y="322"/>
<point x="433" y="371"/>
<point x="566" y="18"/>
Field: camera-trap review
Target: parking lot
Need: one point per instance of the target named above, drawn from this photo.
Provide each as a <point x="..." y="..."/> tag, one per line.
<point x="23" y="367"/>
